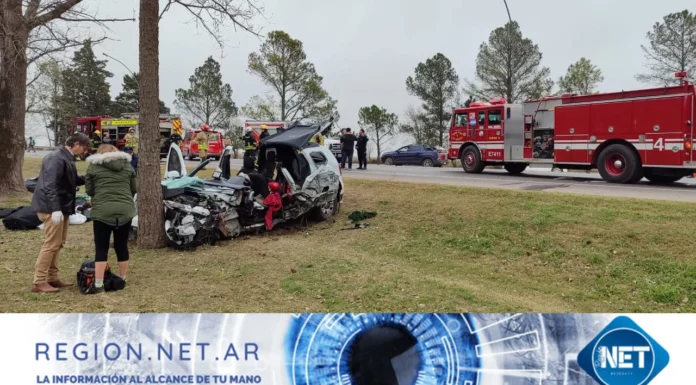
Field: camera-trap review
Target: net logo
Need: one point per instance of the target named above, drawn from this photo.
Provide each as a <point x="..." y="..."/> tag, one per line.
<point x="623" y="354"/>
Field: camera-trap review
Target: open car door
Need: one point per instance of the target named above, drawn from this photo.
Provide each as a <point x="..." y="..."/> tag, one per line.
<point x="289" y="179"/>
<point x="175" y="166"/>
<point x="223" y="170"/>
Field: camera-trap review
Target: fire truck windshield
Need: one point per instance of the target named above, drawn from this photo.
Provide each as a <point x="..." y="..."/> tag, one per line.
<point x="494" y="117"/>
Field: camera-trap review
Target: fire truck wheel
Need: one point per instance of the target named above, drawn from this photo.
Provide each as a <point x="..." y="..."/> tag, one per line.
<point x="619" y="164"/>
<point x="471" y="160"/>
<point x="515" y="168"/>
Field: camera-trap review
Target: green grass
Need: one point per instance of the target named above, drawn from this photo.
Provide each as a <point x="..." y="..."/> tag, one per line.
<point x="430" y="248"/>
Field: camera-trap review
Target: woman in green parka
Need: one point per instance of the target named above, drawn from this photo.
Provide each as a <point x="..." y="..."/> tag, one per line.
<point x="110" y="181"/>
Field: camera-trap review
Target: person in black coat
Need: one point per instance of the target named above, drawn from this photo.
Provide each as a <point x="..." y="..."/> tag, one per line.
<point x="361" y="146"/>
<point x="54" y="202"/>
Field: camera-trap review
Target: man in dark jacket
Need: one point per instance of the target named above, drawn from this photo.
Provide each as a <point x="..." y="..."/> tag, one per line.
<point x="361" y="146"/>
<point x="54" y="202"/>
<point x="347" y="146"/>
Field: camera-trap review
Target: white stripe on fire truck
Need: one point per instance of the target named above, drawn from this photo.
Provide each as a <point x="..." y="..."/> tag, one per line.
<point x="593" y="146"/>
<point x="491" y="146"/>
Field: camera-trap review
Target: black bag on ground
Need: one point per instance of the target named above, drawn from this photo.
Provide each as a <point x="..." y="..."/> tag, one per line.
<point x="86" y="279"/>
<point x="25" y="218"/>
<point x="6" y="212"/>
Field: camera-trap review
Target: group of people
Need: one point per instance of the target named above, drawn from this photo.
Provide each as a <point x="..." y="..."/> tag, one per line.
<point x="110" y="181"/>
<point x="350" y="143"/>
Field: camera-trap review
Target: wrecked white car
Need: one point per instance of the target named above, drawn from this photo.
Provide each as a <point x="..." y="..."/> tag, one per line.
<point x="301" y="179"/>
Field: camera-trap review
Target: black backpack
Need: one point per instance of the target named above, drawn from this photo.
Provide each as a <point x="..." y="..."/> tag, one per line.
<point x="86" y="279"/>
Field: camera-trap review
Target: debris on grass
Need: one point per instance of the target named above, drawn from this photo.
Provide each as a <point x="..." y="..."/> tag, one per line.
<point x="358" y="216"/>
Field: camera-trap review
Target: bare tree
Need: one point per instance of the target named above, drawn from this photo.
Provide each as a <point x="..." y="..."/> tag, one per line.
<point x="417" y="126"/>
<point x="29" y="30"/>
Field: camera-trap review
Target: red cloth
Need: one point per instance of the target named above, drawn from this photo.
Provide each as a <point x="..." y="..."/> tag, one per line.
<point x="274" y="203"/>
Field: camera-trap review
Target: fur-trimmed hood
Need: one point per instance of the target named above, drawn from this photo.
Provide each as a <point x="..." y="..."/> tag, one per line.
<point x="112" y="160"/>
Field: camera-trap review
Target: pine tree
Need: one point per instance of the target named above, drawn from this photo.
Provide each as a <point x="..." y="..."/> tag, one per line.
<point x="128" y="100"/>
<point x="85" y="89"/>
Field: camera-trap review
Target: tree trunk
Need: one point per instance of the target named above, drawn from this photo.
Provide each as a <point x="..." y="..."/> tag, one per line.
<point x="150" y="207"/>
<point x="14" y="35"/>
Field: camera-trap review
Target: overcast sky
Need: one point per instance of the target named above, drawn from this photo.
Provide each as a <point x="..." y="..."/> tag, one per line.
<point x="365" y="49"/>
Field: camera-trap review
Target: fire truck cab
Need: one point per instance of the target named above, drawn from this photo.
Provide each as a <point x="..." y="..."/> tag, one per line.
<point x="626" y="135"/>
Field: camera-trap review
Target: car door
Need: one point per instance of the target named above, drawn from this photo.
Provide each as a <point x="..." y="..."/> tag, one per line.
<point x="401" y="156"/>
<point x="175" y="165"/>
<point x="223" y="171"/>
<point x="323" y="179"/>
<point x="415" y="154"/>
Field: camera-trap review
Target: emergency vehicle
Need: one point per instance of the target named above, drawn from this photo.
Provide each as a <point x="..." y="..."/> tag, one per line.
<point x="256" y="128"/>
<point x="117" y="128"/>
<point x="626" y="135"/>
<point x="215" y="145"/>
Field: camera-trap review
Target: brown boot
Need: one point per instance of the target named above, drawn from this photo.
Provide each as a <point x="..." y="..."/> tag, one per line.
<point x="43" y="288"/>
<point x="59" y="285"/>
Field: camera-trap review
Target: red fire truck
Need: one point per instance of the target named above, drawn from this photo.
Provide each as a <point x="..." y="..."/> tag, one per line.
<point x="626" y="135"/>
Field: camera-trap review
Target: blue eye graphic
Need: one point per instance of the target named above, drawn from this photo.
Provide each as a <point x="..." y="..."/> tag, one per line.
<point x="365" y="349"/>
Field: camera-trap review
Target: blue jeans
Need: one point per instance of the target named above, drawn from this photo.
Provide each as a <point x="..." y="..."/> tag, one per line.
<point x="349" y="155"/>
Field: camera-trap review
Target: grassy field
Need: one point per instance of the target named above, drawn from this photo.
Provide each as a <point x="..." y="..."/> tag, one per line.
<point x="430" y="248"/>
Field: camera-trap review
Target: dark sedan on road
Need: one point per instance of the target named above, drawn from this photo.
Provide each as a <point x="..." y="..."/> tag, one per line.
<point x="414" y="154"/>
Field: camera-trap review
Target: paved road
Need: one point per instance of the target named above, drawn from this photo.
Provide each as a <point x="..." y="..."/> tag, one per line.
<point x="535" y="179"/>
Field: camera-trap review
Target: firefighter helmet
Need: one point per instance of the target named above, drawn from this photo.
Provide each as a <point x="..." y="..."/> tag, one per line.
<point x="248" y="130"/>
<point x="205" y="127"/>
<point x="132" y="129"/>
<point x="97" y="132"/>
<point x="264" y="127"/>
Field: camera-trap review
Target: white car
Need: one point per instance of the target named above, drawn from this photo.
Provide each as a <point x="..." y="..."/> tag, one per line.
<point x="307" y="179"/>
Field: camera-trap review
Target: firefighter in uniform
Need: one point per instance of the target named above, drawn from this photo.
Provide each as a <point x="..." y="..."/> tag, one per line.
<point x="264" y="132"/>
<point x="96" y="140"/>
<point x="202" y="139"/>
<point x="249" y="144"/>
<point x="131" y="140"/>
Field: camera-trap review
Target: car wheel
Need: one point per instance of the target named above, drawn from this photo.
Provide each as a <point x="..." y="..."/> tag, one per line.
<point x="389" y="161"/>
<point x="427" y="162"/>
<point x="326" y="210"/>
